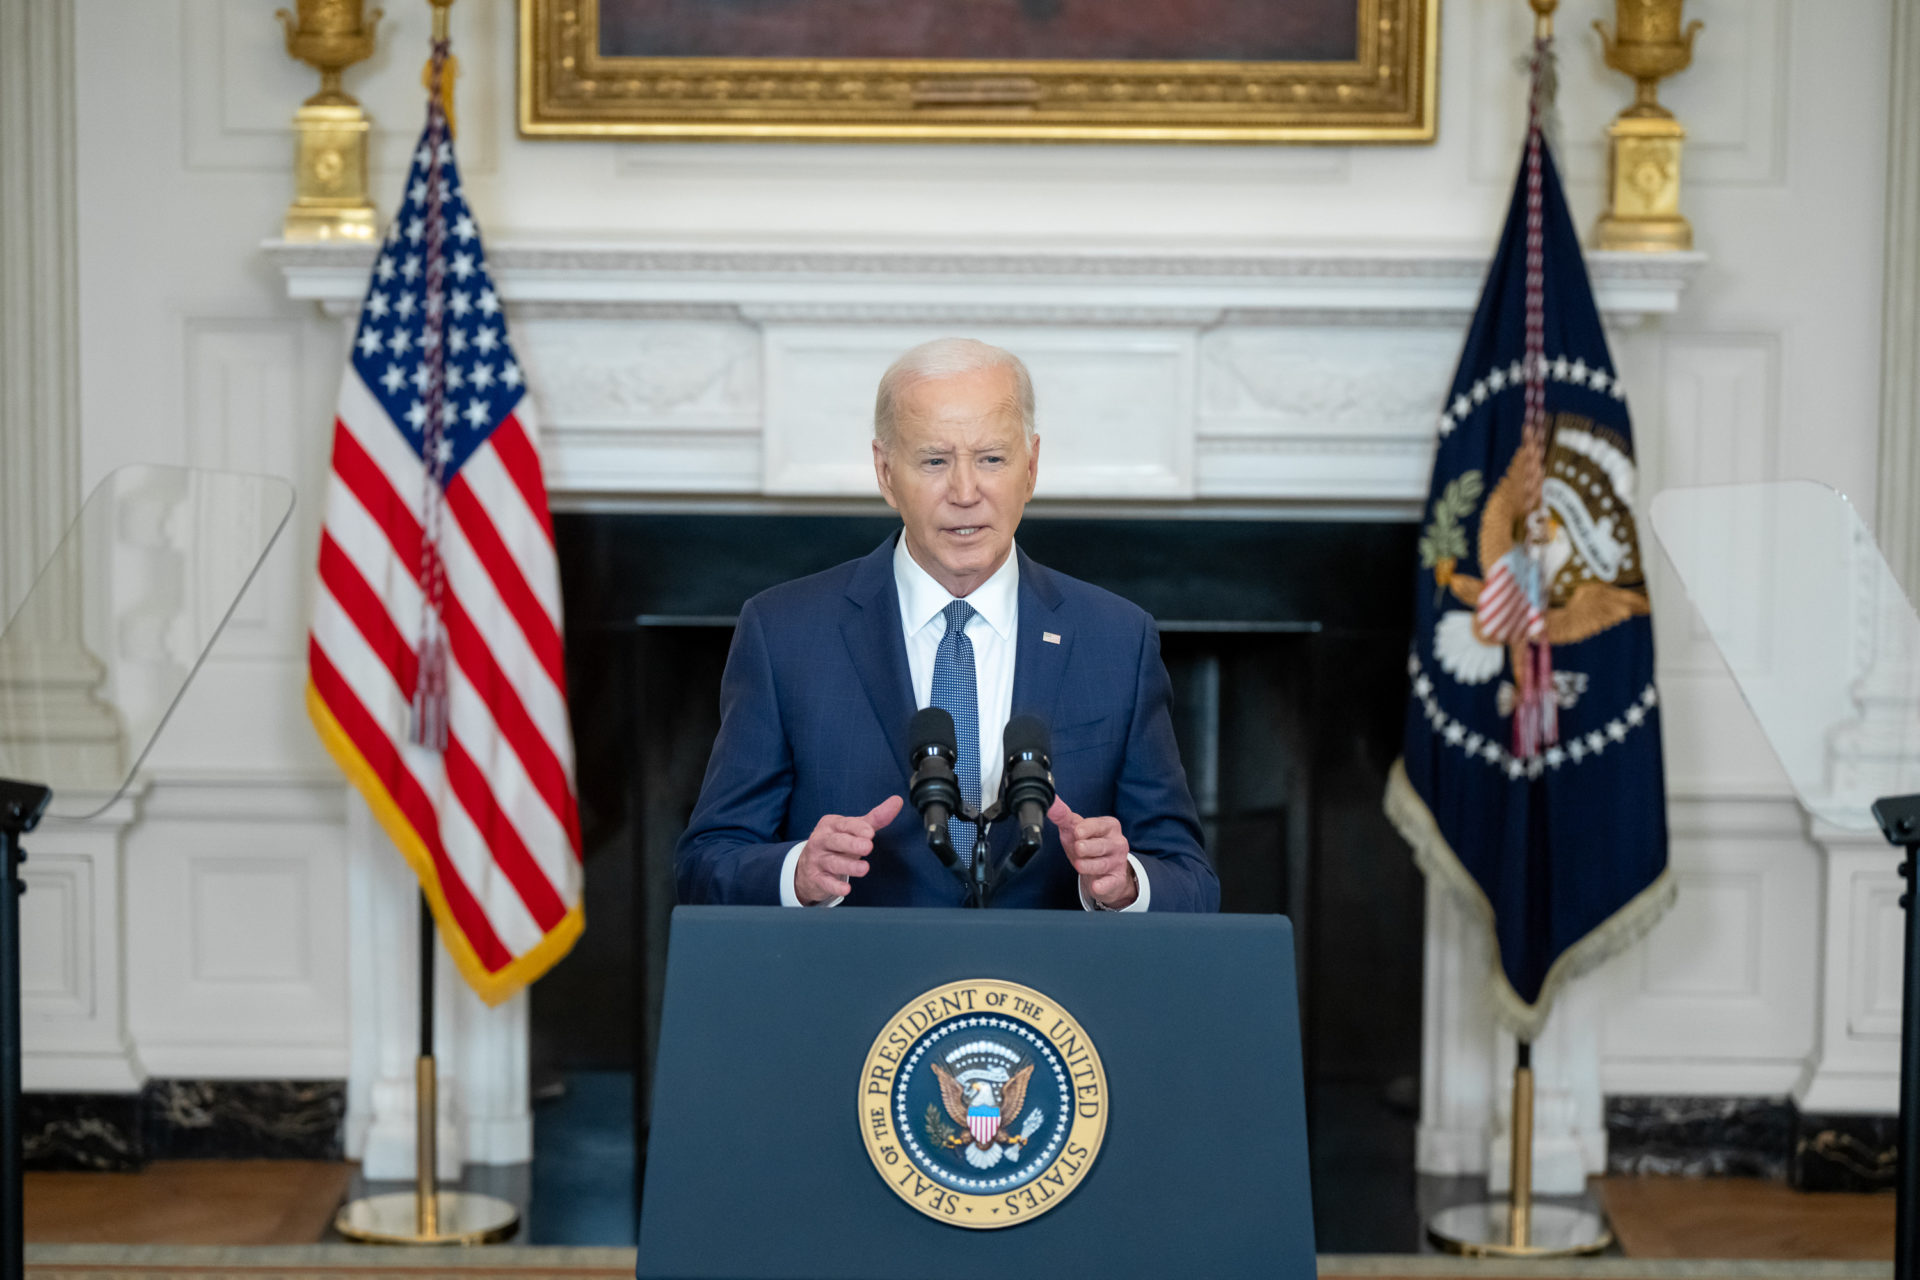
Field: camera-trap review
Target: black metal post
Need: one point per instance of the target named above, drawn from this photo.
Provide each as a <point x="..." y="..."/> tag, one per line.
<point x="21" y="804"/>
<point x="12" y="1213"/>
<point x="426" y="976"/>
<point x="1908" y="1191"/>
<point x="1899" y="819"/>
<point x="979" y="872"/>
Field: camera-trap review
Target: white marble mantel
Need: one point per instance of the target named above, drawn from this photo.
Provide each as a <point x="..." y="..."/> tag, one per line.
<point x="1284" y="380"/>
<point x="1257" y="375"/>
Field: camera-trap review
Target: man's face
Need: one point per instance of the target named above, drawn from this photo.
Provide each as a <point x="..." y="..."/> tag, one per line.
<point x="959" y="472"/>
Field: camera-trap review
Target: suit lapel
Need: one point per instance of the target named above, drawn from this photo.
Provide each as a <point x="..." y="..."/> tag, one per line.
<point x="1039" y="666"/>
<point x="878" y="648"/>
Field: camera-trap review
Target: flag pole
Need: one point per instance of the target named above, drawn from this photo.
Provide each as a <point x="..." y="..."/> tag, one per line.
<point x="426" y="1214"/>
<point x="1517" y="1228"/>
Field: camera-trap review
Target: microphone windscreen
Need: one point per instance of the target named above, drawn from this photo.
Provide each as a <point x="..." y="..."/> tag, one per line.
<point x="931" y="727"/>
<point x="1028" y="734"/>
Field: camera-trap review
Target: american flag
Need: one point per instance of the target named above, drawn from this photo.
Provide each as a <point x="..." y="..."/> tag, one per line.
<point x="434" y="665"/>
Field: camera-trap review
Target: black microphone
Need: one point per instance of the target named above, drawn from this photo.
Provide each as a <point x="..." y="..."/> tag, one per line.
<point x="1026" y="786"/>
<point x="935" y="791"/>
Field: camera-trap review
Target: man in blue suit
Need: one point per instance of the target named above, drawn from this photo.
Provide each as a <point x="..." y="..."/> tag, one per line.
<point x="803" y="799"/>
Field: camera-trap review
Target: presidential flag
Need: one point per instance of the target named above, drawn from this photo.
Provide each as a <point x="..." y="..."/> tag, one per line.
<point x="435" y="673"/>
<point x="1531" y="778"/>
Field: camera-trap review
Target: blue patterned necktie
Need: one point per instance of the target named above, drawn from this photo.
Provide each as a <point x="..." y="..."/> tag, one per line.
<point x="955" y="690"/>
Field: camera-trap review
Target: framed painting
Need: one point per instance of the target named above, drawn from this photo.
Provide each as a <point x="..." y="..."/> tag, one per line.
<point x="972" y="70"/>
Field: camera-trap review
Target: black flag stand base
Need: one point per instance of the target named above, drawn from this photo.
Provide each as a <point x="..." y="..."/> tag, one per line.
<point x="426" y="1215"/>
<point x="1519" y="1228"/>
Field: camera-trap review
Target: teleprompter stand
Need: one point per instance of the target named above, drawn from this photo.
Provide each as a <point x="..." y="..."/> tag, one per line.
<point x="21" y="804"/>
<point x="1899" y="819"/>
<point x="1825" y="649"/>
<point x="78" y="713"/>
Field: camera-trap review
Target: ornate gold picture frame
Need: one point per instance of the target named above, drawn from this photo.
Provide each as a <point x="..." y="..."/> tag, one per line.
<point x="570" y="87"/>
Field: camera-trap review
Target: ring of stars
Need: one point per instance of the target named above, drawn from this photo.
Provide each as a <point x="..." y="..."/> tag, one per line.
<point x="1571" y="750"/>
<point x="1513" y="377"/>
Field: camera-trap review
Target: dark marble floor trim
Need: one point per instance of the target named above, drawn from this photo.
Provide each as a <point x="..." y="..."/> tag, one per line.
<point x="1844" y="1153"/>
<point x="1700" y="1137"/>
<point x="185" y="1120"/>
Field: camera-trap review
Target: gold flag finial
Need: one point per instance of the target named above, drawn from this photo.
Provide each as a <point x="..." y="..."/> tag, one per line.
<point x="440" y="28"/>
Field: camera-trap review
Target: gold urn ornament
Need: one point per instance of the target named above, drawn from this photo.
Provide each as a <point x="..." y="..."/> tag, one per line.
<point x="330" y="128"/>
<point x="1649" y="43"/>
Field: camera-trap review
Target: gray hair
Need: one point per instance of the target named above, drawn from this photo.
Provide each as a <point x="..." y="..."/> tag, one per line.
<point x="946" y="358"/>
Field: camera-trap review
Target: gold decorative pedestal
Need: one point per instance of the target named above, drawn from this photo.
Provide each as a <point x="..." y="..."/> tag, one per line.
<point x="330" y="152"/>
<point x="1643" y="143"/>
<point x="330" y="176"/>
<point x="1643" y="187"/>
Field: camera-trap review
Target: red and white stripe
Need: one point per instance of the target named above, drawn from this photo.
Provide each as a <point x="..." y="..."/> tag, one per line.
<point x="495" y="816"/>
<point x="1504" y="612"/>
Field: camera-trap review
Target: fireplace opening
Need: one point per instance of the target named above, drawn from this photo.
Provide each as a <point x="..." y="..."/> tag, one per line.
<point x="1286" y="643"/>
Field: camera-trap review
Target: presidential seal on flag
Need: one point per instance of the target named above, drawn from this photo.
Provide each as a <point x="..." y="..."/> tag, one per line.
<point x="983" y="1104"/>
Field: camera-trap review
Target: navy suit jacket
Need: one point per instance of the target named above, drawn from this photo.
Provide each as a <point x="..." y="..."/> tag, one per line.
<point x="814" y="707"/>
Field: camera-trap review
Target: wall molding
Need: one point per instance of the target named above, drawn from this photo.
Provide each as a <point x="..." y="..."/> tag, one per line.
<point x="39" y="364"/>
<point x="1149" y="285"/>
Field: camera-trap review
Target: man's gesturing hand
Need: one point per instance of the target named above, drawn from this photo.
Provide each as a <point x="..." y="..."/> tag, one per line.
<point x="1098" y="851"/>
<point x="836" y="853"/>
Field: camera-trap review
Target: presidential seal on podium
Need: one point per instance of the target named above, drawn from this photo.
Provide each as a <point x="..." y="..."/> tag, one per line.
<point x="983" y="1103"/>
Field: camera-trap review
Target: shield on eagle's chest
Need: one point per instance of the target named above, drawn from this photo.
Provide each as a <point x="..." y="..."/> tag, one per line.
<point x="984" y="1122"/>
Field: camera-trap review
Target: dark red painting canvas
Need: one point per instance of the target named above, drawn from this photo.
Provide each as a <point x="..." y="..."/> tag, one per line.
<point x="1125" y="30"/>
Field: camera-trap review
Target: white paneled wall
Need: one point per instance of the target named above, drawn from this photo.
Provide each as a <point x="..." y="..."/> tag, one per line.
<point x="236" y="937"/>
<point x="209" y="934"/>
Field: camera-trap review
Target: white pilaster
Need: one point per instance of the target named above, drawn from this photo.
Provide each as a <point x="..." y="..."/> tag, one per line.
<point x="1898" y="506"/>
<point x="39" y="373"/>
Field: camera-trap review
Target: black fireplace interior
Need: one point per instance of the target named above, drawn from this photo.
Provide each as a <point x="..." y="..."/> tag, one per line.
<point x="1286" y="643"/>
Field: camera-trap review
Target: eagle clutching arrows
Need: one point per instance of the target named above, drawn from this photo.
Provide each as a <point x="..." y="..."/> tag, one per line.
<point x="987" y="1120"/>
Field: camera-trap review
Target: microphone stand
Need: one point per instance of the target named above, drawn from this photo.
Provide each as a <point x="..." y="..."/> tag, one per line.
<point x="979" y="874"/>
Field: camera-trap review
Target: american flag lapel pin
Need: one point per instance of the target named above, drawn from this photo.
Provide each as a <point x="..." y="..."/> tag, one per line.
<point x="1051" y="637"/>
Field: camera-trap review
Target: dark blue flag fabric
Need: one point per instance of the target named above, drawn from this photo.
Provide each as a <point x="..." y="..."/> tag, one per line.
<point x="1531" y="778"/>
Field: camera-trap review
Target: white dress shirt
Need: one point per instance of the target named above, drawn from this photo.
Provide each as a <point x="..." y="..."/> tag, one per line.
<point x="992" y="630"/>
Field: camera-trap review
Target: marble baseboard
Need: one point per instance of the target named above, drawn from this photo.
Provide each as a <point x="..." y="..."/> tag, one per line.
<point x="1700" y="1137"/>
<point x="186" y="1120"/>
<point x="1844" y="1153"/>
<point x="97" y="1132"/>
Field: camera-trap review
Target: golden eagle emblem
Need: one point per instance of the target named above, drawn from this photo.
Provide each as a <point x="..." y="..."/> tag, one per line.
<point x="986" y="1105"/>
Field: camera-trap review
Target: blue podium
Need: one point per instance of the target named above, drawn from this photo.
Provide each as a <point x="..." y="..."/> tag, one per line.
<point x="885" y="1093"/>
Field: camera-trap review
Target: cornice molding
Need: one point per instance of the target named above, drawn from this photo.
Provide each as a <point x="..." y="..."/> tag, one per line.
<point x="858" y="284"/>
